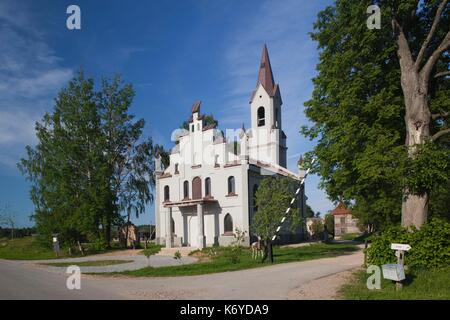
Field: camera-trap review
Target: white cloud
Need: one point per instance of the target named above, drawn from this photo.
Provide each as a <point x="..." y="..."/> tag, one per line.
<point x="30" y="76"/>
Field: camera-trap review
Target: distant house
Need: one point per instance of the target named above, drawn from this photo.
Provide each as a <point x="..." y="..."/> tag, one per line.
<point x="344" y="221"/>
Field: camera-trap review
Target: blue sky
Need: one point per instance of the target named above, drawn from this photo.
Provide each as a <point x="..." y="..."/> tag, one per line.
<point x="173" y="52"/>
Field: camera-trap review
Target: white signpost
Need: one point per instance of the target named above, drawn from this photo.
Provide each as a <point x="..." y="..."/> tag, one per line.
<point x="400" y="247"/>
<point x="396" y="272"/>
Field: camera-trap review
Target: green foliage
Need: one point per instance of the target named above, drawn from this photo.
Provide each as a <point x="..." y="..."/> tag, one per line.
<point x="93" y="263"/>
<point x="98" y="245"/>
<point x="429" y="169"/>
<point x="430" y="246"/>
<point x="165" y="155"/>
<point x="89" y="166"/>
<point x="30" y="248"/>
<point x="329" y="222"/>
<point x="422" y="284"/>
<point x="234" y="251"/>
<point x="177" y="255"/>
<point x="221" y="263"/>
<point x="309" y="212"/>
<point x="357" y="109"/>
<point x="212" y="252"/>
<point x="273" y="197"/>
<point x="151" y="250"/>
<point x="317" y="228"/>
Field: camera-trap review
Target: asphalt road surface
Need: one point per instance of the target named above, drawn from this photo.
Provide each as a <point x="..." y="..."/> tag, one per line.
<point x="19" y="280"/>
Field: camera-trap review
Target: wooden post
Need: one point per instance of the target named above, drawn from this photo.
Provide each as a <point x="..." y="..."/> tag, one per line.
<point x="400" y="261"/>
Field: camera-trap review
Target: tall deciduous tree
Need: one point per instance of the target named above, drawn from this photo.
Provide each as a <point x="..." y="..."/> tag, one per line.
<point x="415" y="23"/>
<point x="67" y="167"/>
<point x="128" y="158"/>
<point x="366" y="118"/>
<point x="90" y="167"/>
<point x="273" y="197"/>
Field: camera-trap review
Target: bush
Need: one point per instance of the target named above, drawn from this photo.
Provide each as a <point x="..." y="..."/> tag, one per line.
<point x="430" y="246"/>
<point x="98" y="245"/>
<point x="233" y="253"/>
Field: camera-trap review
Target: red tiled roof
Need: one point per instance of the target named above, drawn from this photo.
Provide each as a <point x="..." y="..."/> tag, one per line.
<point x="341" y="209"/>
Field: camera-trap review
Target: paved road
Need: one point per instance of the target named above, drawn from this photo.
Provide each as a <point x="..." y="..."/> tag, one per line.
<point x="25" y="281"/>
<point x="138" y="262"/>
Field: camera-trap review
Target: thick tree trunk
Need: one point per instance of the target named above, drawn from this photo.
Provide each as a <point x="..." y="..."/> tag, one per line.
<point x="415" y="76"/>
<point x="417" y="120"/>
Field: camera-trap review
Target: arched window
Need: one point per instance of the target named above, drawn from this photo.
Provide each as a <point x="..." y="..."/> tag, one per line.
<point x="261" y="117"/>
<point x="166" y="193"/>
<point x="196" y="188"/>
<point x="186" y="189"/>
<point x="207" y="187"/>
<point x="255" y="206"/>
<point x="172" y="225"/>
<point x="231" y="186"/>
<point x="228" y="223"/>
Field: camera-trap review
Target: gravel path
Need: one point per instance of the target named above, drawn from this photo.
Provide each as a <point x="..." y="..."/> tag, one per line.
<point x="139" y="262"/>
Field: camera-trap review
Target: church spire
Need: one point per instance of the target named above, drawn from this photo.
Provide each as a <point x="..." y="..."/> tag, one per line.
<point x="265" y="76"/>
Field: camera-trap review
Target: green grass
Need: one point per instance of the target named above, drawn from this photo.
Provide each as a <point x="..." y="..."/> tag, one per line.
<point x="350" y="236"/>
<point x="432" y="284"/>
<point x="28" y="248"/>
<point x="151" y="249"/>
<point x="221" y="263"/>
<point x="96" y="263"/>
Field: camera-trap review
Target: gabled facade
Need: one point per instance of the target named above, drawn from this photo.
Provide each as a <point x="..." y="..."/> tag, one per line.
<point x="208" y="189"/>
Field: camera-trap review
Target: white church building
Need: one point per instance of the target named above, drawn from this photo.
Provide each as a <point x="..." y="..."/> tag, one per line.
<point x="208" y="189"/>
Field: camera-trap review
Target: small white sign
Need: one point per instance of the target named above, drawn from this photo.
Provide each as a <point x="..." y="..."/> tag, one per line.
<point x="399" y="246"/>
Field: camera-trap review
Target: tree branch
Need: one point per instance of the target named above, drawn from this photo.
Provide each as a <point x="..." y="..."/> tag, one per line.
<point x="442" y="74"/>
<point x="440" y="115"/>
<point x="430" y="35"/>
<point x="440" y="134"/>
<point x="403" y="51"/>
<point x="426" y="70"/>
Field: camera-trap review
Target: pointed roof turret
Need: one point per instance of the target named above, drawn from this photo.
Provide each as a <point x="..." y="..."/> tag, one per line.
<point x="265" y="76"/>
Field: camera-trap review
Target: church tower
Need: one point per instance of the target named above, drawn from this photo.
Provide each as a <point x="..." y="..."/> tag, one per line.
<point x="268" y="141"/>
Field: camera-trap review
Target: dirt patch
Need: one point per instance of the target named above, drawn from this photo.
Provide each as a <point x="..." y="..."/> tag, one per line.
<point x="201" y="256"/>
<point x="325" y="288"/>
<point x="128" y="252"/>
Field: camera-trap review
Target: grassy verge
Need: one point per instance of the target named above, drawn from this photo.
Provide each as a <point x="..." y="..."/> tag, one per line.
<point x="25" y="248"/>
<point x="430" y="284"/>
<point x="349" y="236"/>
<point x="151" y="249"/>
<point x="96" y="263"/>
<point x="28" y="248"/>
<point x="220" y="262"/>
